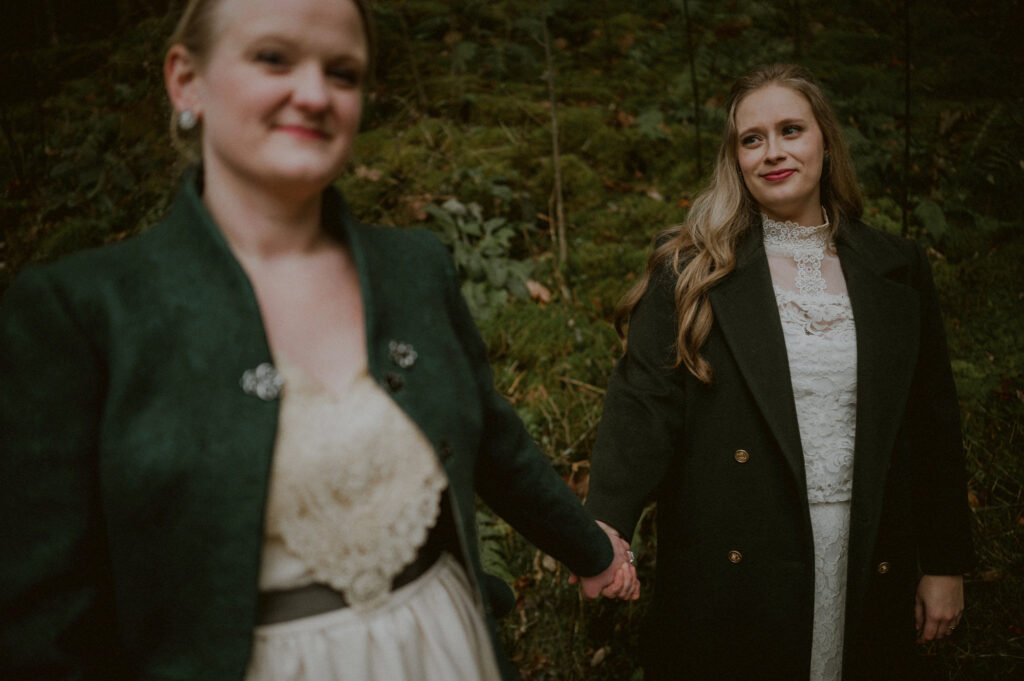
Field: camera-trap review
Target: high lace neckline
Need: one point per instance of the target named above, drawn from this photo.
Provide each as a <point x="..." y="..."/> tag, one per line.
<point x="805" y="245"/>
<point x="790" y="237"/>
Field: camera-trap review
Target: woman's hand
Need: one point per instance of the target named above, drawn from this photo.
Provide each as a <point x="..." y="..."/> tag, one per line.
<point x="619" y="579"/>
<point x="938" y="606"/>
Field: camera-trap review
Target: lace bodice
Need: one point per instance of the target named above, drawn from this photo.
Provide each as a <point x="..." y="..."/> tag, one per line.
<point x="354" y="490"/>
<point x="817" y="321"/>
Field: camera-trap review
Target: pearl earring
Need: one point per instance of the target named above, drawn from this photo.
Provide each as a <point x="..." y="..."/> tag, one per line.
<point x="187" y="120"/>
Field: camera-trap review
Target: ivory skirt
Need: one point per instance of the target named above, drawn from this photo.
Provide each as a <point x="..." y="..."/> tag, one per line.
<point x="428" y="630"/>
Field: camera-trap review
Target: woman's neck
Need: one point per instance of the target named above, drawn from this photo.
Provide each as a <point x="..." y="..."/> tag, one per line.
<point x="809" y="217"/>
<point x="263" y="225"/>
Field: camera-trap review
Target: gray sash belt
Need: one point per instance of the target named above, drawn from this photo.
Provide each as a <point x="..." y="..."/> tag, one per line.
<point x="282" y="606"/>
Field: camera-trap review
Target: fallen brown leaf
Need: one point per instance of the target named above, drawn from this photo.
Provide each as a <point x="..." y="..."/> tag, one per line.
<point x="538" y="292"/>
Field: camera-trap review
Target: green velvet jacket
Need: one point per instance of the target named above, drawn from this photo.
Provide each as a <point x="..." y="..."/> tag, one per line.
<point x="734" y="591"/>
<point x="134" y="466"/>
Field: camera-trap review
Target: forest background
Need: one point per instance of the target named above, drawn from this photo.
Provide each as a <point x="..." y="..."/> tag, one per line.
<point x="547" y="143"/>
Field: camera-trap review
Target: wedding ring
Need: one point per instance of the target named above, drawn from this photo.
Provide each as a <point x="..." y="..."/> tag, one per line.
<point x="632" y="558"/>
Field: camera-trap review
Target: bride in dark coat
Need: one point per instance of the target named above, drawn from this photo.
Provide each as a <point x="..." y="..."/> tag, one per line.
<point x="786" y="399"/>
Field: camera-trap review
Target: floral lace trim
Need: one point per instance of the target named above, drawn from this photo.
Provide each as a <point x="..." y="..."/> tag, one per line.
<point x="806" y="245"/>
<point x="821" y="343"/>
<point x="816" y="314"/>
<point x="355" y="486"/>
<point x="824" y="376"/>
<point x="830" y="524"/>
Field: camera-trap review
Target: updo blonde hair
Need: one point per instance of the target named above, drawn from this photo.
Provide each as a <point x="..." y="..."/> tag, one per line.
<point x="196" y="31"/>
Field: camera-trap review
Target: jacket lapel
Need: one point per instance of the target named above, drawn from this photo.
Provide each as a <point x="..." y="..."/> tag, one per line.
<point x="748" y="316"/>
<point x="887" y="318"/>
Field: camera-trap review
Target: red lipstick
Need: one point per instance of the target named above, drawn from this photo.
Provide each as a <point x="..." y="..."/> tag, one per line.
<point x="778" y="175"/>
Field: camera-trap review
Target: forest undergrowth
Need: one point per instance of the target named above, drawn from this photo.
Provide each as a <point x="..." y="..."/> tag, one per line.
<point x="457" y="137"/>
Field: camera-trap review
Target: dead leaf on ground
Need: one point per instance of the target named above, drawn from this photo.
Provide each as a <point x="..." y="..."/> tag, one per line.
<point x="538" y="292"/>
<point x="366" y="173"/>
<point x="416" y="205"/>
<point x="599" y="655"/>
<point x="624" y="119"/>
<point x="990" y="575"/>
<point x="579" y="478"/>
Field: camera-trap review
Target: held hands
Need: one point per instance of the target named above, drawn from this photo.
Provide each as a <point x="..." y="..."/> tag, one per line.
<point x="938" y="606"/>
<point x="619" y="579"/>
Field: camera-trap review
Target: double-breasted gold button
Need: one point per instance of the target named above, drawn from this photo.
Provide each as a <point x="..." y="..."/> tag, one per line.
<point x="884" y="567"/>
<point x="741" y="456"/>
<point x="735" y="557"/>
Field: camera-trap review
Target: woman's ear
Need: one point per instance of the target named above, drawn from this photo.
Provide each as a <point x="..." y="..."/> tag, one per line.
<point x="181" y="78"/>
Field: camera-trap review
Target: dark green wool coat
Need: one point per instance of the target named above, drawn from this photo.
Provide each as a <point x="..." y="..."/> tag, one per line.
<point x="134" y="467"/>
<point x="665" y="436"/>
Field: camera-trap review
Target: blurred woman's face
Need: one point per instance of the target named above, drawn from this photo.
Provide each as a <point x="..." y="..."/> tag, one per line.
<point x="780" y="150"/>
<point x="280" y="93"/>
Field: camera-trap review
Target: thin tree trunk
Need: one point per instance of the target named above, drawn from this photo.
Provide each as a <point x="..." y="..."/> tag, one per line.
<point x="797" y="31"/>
<point x="609" y="49"/>
<point x="555" y="155"/>
<point x="906" y="117"/>
<point x="50" y="23"/>
<point x="17" y="157"/>
<point x="693" y="87"/>
<point x="421" y="95"/>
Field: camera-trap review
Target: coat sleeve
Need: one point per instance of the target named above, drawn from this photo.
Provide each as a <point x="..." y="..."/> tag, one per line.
<point x="941" y="516"/>
<point x="513" y="476"/>
<point x="641" y="426"/>
<point x="55" y="614"/>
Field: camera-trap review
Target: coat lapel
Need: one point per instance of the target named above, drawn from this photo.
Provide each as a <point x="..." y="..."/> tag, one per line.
<point x="748" y="316"/>
<point x="887" y="318"/>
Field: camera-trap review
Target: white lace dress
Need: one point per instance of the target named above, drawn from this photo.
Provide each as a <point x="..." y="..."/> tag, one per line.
<point x="355" y="489"/>
<point x="817" y="321"/>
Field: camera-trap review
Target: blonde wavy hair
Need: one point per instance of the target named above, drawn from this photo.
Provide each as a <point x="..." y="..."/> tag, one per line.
<point x="702" y="250"/>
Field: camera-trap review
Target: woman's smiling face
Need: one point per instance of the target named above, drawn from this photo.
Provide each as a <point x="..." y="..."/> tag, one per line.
<point x="280" y="94"/>
<point x="780" y="151"/>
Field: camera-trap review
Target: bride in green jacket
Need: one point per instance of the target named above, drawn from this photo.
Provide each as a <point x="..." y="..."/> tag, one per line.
<point x="246" y="444"/>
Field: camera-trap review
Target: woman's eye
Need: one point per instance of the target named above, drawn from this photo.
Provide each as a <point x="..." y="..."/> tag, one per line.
<point x="791" y="129"/>
<point x="344" y="75"/>
<point x="270" y="57"/>
<point x="749" y="140"/>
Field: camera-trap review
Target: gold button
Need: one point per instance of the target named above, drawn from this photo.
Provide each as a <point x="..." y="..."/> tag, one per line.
<point x="735" y="557"/>
<point x="883" y="567"/>
<point x="741" y="456"/>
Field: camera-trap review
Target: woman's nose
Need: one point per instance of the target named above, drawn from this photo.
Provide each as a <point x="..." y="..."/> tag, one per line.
<point x="774" y="149"/>
<point x="311" y="88"/>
